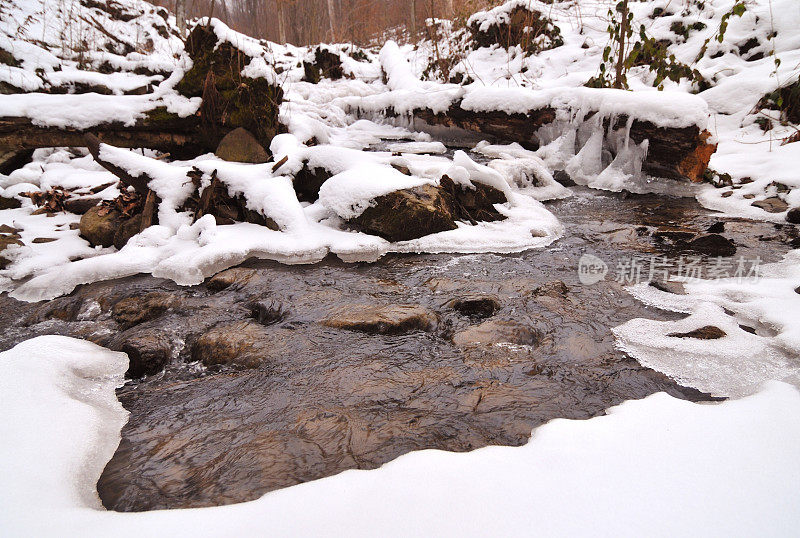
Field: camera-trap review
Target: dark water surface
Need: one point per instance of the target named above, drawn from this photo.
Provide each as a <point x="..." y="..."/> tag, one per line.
<point x="322" y="400"/>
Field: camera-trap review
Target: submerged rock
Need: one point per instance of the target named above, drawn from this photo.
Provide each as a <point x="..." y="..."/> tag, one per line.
<point x="477" y="306"/>
<point x="99" y="225"/>
<point x="498" y="332"/>
<point x="241" y="146"/>
<point x="135" y="310"/>
<point x="148" y="351"/>
<point x="234" y="344"/>
<point x="382" y="319"/>
<point x="709" y="332"/>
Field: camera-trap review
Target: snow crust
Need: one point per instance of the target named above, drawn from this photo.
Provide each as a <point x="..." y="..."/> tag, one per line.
<point x="726" y="469"/>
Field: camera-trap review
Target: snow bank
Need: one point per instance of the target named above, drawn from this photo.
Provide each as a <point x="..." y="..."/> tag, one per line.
<point x="656" y="467"/>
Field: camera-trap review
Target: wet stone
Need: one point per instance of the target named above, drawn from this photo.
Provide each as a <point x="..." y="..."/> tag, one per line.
<point x="477" y="306"/>
<point x="793" y="216"/>
<point x="237" y="277"/>
<point x="135" y="310"/>
<point x="498" y="332"/>
<point x="148" y="351"/>
<point x="235" y="344"/>
<point x="382" y="319"/>
<point x="709" y="332"/>
<point x="669" y="286"/>
<point x="712" y="245"/>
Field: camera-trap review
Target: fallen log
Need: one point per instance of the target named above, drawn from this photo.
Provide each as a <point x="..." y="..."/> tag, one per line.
<point x="179" y="136"/>
<point x="673" y="152"/>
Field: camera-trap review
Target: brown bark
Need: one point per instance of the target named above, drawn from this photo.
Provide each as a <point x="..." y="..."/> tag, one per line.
<point x="139" y="183"/>
<point x="171" y="136"/>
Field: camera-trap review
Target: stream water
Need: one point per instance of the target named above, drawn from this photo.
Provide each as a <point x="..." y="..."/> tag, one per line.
<point x="316" y="400"/>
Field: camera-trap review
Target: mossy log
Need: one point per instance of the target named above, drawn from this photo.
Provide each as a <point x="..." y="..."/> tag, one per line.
<point x="230" y="100"/>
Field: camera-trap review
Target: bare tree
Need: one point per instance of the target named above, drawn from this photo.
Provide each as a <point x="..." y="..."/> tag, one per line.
<point x="180" y="15"/>
<point x="331" y="18"/>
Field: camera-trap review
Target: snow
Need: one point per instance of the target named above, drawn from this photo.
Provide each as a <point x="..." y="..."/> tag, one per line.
<point x="720" y="469"/>
<point x="739" y="362"/>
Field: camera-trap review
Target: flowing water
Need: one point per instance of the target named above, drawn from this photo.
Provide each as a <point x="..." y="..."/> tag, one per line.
<point x="317" y="400"/>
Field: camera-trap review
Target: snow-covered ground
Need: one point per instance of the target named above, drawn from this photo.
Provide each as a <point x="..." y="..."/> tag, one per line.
<point x="653" y="467"/>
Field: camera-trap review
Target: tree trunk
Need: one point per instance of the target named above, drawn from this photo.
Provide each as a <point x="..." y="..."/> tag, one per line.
<point x="331" y="18"/>
<point x="180" y="16"/>
<point x="281" y="22"/>
<point x="413" y="20"/>
<point x="623" y="31"/>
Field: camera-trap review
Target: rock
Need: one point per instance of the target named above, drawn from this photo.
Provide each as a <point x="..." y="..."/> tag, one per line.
<point x="793" y="216"/>
<point x="477" y="306"/>
<point x="62" y="308"/>
<point x="126" y="230"/>
<point x="668" y="286"/>
<point x="564" y="178"/>
<point x="797" y="289"/>
<point x="476" y="204"/>
<point x="267" y="312"/>
<point x="148" y="352"/>
<point x="382" y="319"/>
<point x="237" y="275"/>
<point x="9" y="203"/>
<point x="555" y="288"/>
<point x="709" y="332"/>
<point x="241" y="146"/>
<point x="407" y="214"/>
<point x="308" y="181"/>
<point x="674" y="232"/>
<point x="496" y="332"/>
<point x="135" y="310"/>
<point x="6" y="229"/>
<point x="7" y="240"/>
<point x="41" y="240"/>
<point x="712" y="245"/>
<point x="235" y="344"/>
<point x="716" y="228"/>
<point x="747" y="329"/>
<point x="99" y="225"/>
<point x="772" y="205"/>
<point x="80" y="205"/>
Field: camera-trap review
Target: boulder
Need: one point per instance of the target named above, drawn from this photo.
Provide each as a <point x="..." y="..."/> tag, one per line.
<point x="497" y="332"/>
<point x="99" y="225"/>
<point x="241" y="146"/>
<point x="709" y="332"/>
<point x="382" y="319"/>
<point x="308" y="181"/>
<point x="135" y="310"/>
<point x="127" y="229"/>
<point x="475" y="204"/>
<point x="712" y="245"/>
<point x="772" y="205"/>
<point x="793" y="216"/>
<point x="235" y="344"/>
<point x="407" y="214"/>
<point x="476" y="306"/>
<point x="238" y="276"/>
<point x="148" y="352"/>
